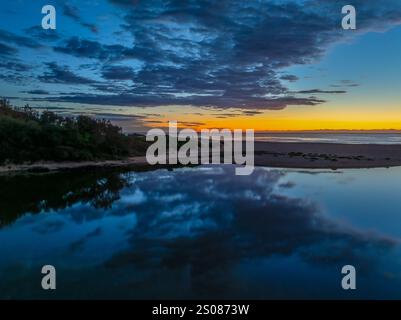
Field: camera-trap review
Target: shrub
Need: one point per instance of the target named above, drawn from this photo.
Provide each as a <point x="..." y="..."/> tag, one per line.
<point x="27" y="136"/>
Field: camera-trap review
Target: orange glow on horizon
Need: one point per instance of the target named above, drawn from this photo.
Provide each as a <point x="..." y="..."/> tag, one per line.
<point x="289" y="119"/>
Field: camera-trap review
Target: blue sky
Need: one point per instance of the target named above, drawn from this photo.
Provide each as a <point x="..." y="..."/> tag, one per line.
<point x="117" y="56"/>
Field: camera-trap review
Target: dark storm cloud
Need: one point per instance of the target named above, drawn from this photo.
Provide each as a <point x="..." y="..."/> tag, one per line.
<point x="73" y="13"/>
<point x="62" y="74"/>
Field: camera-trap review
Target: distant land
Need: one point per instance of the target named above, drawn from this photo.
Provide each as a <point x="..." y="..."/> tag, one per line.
<point x="41" y="142"/>
<point x="360" y="131"/>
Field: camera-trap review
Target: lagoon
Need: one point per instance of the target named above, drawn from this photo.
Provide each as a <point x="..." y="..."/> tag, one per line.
<point x="202" y="232"/>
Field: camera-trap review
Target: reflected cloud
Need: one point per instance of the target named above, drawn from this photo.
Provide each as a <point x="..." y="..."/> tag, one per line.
<point x="226" y="223"/>
<point x="190" y="232"/>
<point x="79" y="244"/>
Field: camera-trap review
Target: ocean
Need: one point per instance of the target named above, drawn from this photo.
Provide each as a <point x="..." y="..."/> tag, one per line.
<point x="348" y="138"/>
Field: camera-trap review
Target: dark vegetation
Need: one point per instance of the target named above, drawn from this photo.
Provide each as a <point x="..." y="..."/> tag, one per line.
<point x="52" y="192"/>
<point x="29" y="136"/>
<point x="35" y="193"/>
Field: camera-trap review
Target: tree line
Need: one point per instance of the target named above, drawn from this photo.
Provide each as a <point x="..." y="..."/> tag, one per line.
<point x="27" y="135"/>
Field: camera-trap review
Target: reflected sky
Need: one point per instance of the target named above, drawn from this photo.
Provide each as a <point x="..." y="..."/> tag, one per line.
<point x="202" y="233"/>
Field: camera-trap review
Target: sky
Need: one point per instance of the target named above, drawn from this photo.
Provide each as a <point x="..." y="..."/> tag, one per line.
<point x="262" y="64"/>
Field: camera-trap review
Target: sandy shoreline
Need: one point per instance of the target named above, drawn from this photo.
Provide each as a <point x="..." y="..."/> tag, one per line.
<point x="326" y="155"/>
<point x="64" y="166"/>
<point x="270" y="154"/>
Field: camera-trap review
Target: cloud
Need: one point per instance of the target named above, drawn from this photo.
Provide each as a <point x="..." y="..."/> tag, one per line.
<point x="109" y="88"/>
<point x="226" y="54"/>
<point x="49" y="226"/>
<point x="192" y="55"/>
<point x="213" y="224"/>
<point x="118" y="116"/>
<point x="289" y="77"/>
<point x="37" y="91"/>
<point x="62" y="74"/>
<point x="6" y="50"/>
<point x="15" y="78"/>
<point x="201" y="229"/>
<point x="22" y="41"/>
<point x="345" y="83"/>
<point x="118" y="73"/>
<point x="127" y="3"/>
<point x="78" y="245"/>
<point x="14" y="65"/>
<point x="143" y="100"/>
<point x="73" y="13"/>
<point x="191" y="123"/>
<point x="251" y="112"/>
<point x="42" y="34"/>
<point x="318" y="91"/>
<point x="82" y="48"/>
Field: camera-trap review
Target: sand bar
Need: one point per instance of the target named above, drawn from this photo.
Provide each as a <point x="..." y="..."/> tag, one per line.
<point x="270" y="154"/>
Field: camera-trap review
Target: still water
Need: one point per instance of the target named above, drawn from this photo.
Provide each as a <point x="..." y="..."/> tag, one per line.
<point x="318" y="137"/>
<point x="202" y="233"/>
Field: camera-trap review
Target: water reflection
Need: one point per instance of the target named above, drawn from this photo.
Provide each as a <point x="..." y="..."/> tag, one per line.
<point x="187" y="233"/>
<point x="41" y="193"/>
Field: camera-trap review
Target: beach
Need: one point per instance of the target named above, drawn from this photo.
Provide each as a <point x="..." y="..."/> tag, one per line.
<point x="326" y="155"/>
<point x="48" y="166"/>
<point x="269" y="154"/>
